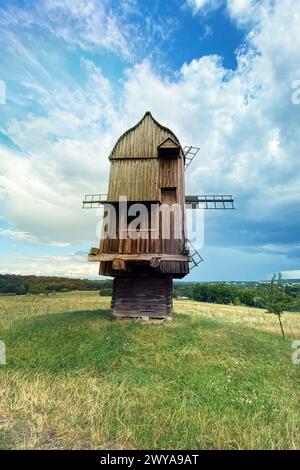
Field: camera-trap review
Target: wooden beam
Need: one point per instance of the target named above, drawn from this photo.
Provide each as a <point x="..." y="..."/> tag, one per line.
<point x="94" y="251"/>
<point x="155" y="262"/>
<point x="119" y="264"/>
<point x="137" y="257"/>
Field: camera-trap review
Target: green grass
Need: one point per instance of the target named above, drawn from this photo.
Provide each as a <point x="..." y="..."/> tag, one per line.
<point x="216" y="377"/>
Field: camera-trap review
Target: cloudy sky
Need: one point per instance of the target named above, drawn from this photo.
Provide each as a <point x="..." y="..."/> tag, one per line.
<point x="224" y="75"/>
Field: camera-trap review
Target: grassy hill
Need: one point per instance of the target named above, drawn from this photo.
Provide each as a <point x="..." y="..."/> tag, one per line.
<point x="215" y="377"/>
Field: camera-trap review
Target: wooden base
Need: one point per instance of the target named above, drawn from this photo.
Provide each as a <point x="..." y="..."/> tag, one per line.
<point x="142" y="297"/>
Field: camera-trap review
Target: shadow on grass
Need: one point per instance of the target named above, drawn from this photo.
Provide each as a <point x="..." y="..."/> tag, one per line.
<point x="67" y="342"/>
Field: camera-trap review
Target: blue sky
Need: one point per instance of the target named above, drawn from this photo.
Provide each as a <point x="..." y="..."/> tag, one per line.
<point x="219" y="73"/>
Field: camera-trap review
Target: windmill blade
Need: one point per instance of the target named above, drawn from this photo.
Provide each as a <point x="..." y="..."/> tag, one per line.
<point x="189" y="152"/>
<point x="93" y="201"/>
<point x="205" y="201"/>
<point x="195" y="256"/>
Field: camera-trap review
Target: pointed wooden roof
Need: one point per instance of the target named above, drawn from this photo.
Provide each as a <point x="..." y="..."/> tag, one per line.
<point x="142" y="140"/>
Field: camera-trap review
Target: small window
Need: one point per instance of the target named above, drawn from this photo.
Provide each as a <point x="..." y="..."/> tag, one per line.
<point x="168" y="149"/>
<point x="168" y="195"/>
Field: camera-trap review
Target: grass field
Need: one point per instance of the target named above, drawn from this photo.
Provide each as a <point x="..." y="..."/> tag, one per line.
<point x="217" y="377"/>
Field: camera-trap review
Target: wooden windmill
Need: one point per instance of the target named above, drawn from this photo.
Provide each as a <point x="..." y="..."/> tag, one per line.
<point x="147" y="167"/>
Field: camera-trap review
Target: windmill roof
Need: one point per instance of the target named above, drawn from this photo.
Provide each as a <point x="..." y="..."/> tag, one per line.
<point x="142" y="140"/>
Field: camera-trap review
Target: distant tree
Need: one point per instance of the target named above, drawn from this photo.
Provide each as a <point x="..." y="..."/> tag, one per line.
<point x="259" y="302"/>
<point x="247" y="295"/>
<point x="200" y="292"/>
<point x="36" y="289"/>
<point x="183" y="289"/>
<point x="20" y="290"/>
<point x="277" y="301"/>
<point x="214" y="293"/>
<point x="106" y="292"/>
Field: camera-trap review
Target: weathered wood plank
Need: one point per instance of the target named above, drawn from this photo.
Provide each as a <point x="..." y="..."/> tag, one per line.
<point x="139" y="297"/>
<point x="137" y="257"/>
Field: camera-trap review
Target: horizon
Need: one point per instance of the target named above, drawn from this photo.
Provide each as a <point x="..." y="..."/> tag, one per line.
<point x="75" y="75"/>
<point x="180" y="281"/>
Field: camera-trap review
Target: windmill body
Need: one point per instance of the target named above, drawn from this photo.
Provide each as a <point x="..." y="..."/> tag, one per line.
<point x="144" y="245"/>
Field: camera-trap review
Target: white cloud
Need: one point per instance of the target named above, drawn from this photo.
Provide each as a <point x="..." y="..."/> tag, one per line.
<point x="64" y="157"/>
<point x="203" y="5"/>
<point x="73" y="265"/>
<point x="291" y="274"/>
<point x="238" y="7"/>
<point x="243" y="11"/>
<point x="30" y="238"/>
<point x="126" y="28"/>
<point x="89" y="24"/>
<point x="250" y="11"/>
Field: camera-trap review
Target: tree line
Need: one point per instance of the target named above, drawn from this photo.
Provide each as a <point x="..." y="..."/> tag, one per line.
<point x="218" y="293"/>
<point x="223" y="293"/>
<point x="21" y="285"/>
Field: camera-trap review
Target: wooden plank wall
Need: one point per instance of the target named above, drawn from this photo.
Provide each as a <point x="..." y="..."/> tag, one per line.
<point x="140" y="297"/>
<point x="137" y="179"/>
<point x="168" y="173"/>
<point x="171" y="180"/>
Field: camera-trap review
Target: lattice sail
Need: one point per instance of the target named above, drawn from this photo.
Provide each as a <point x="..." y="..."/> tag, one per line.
<point x="195" y="256"/>
<point x="189" y="152"/>
<point x="92" y="201"/>
<point x="205" y="201"/>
